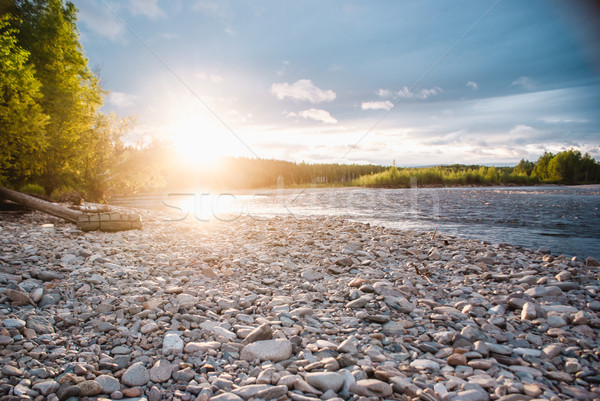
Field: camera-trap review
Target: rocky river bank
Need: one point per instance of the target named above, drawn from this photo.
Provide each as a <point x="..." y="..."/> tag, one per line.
<point x="284" y="308"/>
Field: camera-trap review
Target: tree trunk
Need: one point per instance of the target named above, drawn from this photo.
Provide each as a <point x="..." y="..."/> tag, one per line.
<point x="112" y="221"/>
<point x="41" y="205"/>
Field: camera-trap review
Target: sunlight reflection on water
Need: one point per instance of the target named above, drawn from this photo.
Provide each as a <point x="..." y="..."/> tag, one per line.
<point x="566" y="219"/>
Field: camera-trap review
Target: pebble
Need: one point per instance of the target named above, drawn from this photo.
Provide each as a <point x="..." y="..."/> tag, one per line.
<point x="278" y="308"/>
<point x="325" y="381"/>
<point x="267" y="350"/>
<point x="136" y="375"/>
<point x="108" y="384"/>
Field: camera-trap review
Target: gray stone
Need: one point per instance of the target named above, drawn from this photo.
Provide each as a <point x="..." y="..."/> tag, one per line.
<point x="325" y="381"/>
<point x="250" y="391"/>
<point x="161" y="371"/>
<point x="425" y="364"/>
<point x="226" y="397"/>
<point x="40" y="325"/>
<point x="261" y="333"/>
<point x="371" y="388"/>
<point x="149" y="328"/>
<point x="186" y="300"/>
<point x="9" y="370"/>
<point x="267" y="350"/>
<point x="13" y="323"/>
<point x="136" y="375"/>
<point x="46" y="387"/>
<point x="108" y="384"/>
<point x="472" y="395"/>
<point x="272" y="393"/>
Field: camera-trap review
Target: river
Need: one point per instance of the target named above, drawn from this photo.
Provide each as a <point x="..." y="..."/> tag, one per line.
<point x="564" y="219"/>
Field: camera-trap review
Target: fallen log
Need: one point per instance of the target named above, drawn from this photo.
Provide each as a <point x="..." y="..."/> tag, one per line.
<point x="108" y="221"/>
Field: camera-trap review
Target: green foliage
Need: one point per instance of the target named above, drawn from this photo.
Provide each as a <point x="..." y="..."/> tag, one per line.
<point x="22" y="121"/>
<point x="32" y="189"/>
<point x="50" y="125"/>
<point x="71" y="93"/>
<point x="567" y="167"/>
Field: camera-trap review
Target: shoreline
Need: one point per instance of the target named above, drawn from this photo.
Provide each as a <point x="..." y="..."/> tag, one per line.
<point x="252" y="191"/>
<point x="180" y="309"/>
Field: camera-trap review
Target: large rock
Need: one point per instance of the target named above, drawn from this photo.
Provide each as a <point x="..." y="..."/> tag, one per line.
<point x="371" y="388"/>
<point x="262" y="332"/>
<point x="325" y="381"/>
<point x="108" y="384"/>
<point x="161" y="371"/>
<point x="18" y="297"/>
<point x="11" y="323"/>
<point x="89" y="388"/>
<point x="186" y="300"/>
<point x="46" y="387"/>
<point x="267" y="350"/>
<point x="40" y="325"/>
<point x="136" y="375"/>
<point x="529" y="312"/>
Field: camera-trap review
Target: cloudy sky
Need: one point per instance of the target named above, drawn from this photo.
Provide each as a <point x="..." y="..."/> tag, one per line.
<point x="418" y="83"/>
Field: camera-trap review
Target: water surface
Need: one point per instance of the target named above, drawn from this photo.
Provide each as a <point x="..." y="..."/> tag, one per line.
<point x="564" y="219"/>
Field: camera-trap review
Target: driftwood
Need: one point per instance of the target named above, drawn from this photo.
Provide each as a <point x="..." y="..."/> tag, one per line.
<point x="110" y="221"/>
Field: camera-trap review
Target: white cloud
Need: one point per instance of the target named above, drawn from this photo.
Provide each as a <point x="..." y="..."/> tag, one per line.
<point x="214" y="78"/>
<point x="472" y="85"/>
<point x="562" y="119"/>
<point x="100" y="19"/>
<point x="318" y="115"/>
<point x="148" y="8"/>
<point x="121" y="99"/>
<point x="525" y="82"/>
<point x="406" y="93"/>
<point x="380" y="105"/>
<point x="302" y="89"/>
<point x="385" y="93"/>
<point x="521" y="129"/>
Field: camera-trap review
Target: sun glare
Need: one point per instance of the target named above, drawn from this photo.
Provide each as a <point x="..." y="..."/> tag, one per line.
<point x="199" y="142"/>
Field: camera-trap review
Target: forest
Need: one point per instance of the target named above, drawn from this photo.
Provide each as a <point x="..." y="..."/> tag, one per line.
<point x="53" y="134"/>
<point x="56" y="139"/>
<point x="567" y="167"/>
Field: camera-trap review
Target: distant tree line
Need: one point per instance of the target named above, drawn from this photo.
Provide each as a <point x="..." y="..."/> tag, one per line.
<point x="51" y="128"/>
<point x="156" y="168"/>
<point x="567" y="167"/>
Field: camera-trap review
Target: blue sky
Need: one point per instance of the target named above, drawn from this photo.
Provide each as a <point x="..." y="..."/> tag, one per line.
<point x="421" y="83"/>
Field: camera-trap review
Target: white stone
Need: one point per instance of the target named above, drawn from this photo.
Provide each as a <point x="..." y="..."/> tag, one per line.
<point x="425" y="364"/>
<point x="267" y="350"/>
<point x="172" y="344"/>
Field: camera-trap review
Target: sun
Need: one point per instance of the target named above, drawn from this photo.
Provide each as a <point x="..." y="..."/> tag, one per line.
<point x="199" y="142"/>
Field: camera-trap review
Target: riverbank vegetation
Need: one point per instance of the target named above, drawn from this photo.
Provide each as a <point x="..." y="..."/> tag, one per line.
<point x="53" y="134"/>
<point x="567" y="167"/>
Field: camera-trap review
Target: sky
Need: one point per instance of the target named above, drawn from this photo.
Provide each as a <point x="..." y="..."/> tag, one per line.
<point x="404" y="82"/>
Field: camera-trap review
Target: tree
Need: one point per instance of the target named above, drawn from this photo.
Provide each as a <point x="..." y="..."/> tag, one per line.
<point x="541" y="167"/>
<point x="22" y="121"/>
<point x="71" y="92"/>
<point x="524" y="168"/>
<point x="562" y="166"/>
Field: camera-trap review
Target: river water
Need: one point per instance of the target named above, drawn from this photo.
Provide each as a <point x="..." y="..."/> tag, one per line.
<point x="564" y="219"/>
